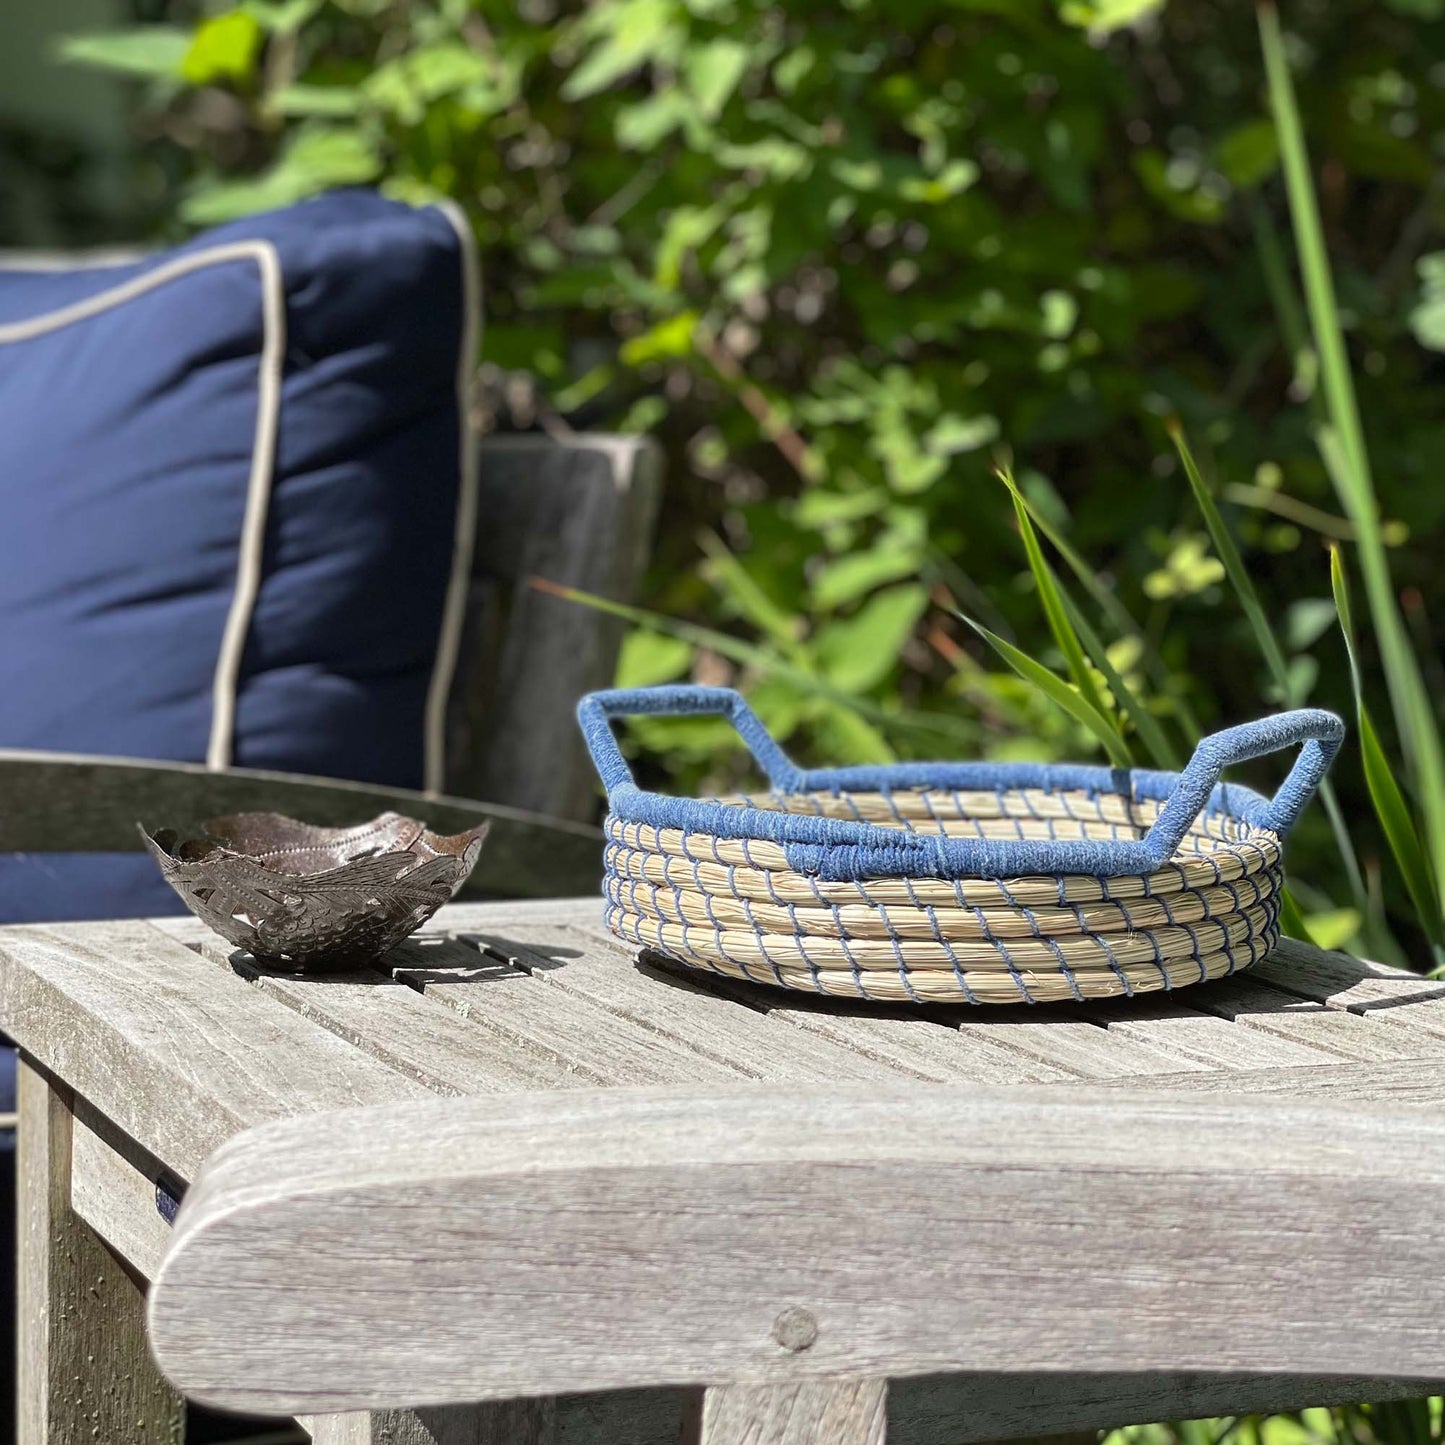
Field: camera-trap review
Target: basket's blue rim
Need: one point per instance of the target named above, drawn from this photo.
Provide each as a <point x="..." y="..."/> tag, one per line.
<point x="836" y="849"/>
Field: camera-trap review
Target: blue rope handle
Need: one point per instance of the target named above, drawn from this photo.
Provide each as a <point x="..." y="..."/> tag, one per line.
<point x="596" y="711"/>
<point x="835" y="848"/>
<point x="1319" y="735"/>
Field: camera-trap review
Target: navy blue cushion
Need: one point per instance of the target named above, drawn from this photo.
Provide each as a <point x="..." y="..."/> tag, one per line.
<point x="229" y="482"/>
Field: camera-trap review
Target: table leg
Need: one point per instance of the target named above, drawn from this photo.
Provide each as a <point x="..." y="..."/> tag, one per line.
<point x="817" y="1412"/>
<point x="84" y="1369"/>
<point x="839" y="1412"/>
<point x="507" y="1422"/>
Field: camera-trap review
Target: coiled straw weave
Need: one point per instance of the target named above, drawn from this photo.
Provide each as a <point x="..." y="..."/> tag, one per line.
<point x="957" y="883"/>
<point x="735" y="907"/>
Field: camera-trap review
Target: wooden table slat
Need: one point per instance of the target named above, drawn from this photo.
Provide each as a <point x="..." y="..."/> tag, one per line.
<point x="1247" y="1003"/>
<point x="675" y="1006"/>
<point x="1077" y="1044"/>
<point x="600" y="1044"/>
<point x="397" y="1024"/>
<point x="168" y="1046"/>
<point x="1371" y="989"/>
<point x="1194" y="1037"/>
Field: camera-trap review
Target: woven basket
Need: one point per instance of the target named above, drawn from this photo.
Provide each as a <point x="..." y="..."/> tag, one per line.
<point x="959" y="883"/>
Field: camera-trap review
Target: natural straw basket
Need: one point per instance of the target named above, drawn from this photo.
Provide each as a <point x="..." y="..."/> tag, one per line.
<point x="955" y="882"/>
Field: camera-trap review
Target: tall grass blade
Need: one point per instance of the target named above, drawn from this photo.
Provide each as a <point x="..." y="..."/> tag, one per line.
<point x="745" y="654"/>
<point x="1119" y="617"/>
<point x="1067" y="621"/>
<point x="1162" y="753"/>
<point x="1058" y="692"/>
<point x="1342" y="445"/>
<point x="1053" y="605"/>
<point x="1268" y="645"/>
<point x="1234" y="568"/>
<point x="1390" y="806"/>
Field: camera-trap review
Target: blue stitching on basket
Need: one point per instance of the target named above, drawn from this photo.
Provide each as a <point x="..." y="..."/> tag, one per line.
<point x="1014" y="974"/>
<point x="852" y="963"/>
<point x="1102" y="939"/>
<point x="902" y="967"/>
<point x="947" y="947"/>
<point x="762" y="947"/>
<point x="1197" y="947"/>
<point x="1158" y="959"/>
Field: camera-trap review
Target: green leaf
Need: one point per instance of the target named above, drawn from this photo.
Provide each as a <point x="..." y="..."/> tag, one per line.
<point x="1175" y="186"/>
<point x="224" y="50"/>
<point x="281" y="17"/>
<point x="1307" y="620"/>
<point x="1292" y="923"/>
<point x="820" y="509"/>
<point x="644" y="126"/>
<point x="648" y="658"/>
<point x="1427" y="317"/>
<point x="407" y="85"/>
<point x="1188" y="569"/>
<point x="938" y="725"/>
<point x="713" y="72"/>
<point x="853" y="576"/>
<point x="781" y="159"/>
<point x="1162" y="753"/>
<point x="1249" y="154"/>
<point x="147" y="51"/>
<point x="746" y="595"/>
<point x="318" y="158"/>
<point x="1106" y="599"/>
<point x="953" y="435"/>
<point x="1390" y="806"/>
<point x="666" y="341"/>
<point x="1332" y="928"/>
<point x="1103" y="17"/>
<point x="1058" y="692"/>
<point x="858" y="652"/>
<point x="631" y="33"/>
<point x="956" y="177"/>
<point x="843" y="734"/>
<point x="327" y="101"/>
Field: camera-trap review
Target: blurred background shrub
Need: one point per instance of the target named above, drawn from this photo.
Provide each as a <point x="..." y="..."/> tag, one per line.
<point x="838" y="255"/>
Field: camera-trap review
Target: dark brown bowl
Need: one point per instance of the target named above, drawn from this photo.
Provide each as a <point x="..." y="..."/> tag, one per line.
<point x="315" y="898"/>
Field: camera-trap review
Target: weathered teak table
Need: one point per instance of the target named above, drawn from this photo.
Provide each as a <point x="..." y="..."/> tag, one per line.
<point x="147" y="1045"/>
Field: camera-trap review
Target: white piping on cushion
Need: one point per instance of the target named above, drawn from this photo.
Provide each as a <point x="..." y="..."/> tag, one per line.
<point x="263" y="452"/>
<point x="58" y="261"/>
<point x="464" y="536"/>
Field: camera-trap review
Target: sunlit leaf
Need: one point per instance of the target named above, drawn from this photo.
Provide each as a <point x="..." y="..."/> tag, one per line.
<point x="147" y="51"/>
<point x="858" y="652"/>
<point x="225" y="48"/>
<point x="664" y="341"/>
<point x="713" y="71"/>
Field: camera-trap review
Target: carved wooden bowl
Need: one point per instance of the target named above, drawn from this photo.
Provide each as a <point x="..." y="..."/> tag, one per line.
<point x="315" y="898"/>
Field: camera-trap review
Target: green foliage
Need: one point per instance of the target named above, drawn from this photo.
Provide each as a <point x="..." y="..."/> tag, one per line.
<point x="148" y="51"/>
<point x="836" y="254"/>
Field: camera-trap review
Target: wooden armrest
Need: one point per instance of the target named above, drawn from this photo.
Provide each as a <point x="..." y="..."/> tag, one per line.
<point x="70" y="803"/>
<point x="465" y="1250"/>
